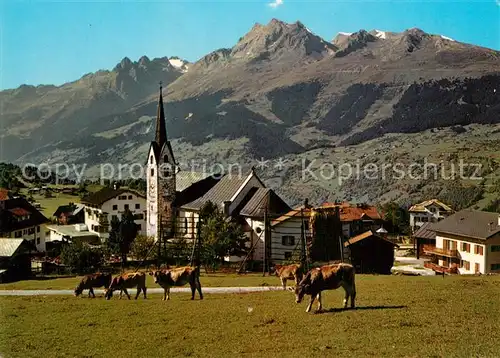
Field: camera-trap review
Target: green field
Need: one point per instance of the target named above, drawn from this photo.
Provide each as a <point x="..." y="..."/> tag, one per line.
<point x="213" y="280"/>
<point x="50" y="205"/>
<point x="397" y="316"/>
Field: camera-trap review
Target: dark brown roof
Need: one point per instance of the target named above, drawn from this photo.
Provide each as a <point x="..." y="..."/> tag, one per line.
<point x="224" y="190"/>
<point x="469" y="223"/>
<point x="106" y="194"/>
<point x="425" y="232"/>
<point x="364" y="236"/>
<point x="262" y="198"/>
<point x="13" y="208"/>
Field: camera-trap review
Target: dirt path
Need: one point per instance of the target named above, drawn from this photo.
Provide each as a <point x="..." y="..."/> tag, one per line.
<point x="149" y="290"/>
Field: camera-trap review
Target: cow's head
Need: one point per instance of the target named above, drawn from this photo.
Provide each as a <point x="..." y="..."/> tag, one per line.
<point x="274" y="270"/>
<point x="157" y="274"/>
<point x="78" y="291"/>
<point x="300" y="290"/>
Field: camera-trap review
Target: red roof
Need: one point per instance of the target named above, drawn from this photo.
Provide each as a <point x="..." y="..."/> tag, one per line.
<point x="354" y="212"/>
<point x="19" y="212"/>
<point x="4" y="194"/>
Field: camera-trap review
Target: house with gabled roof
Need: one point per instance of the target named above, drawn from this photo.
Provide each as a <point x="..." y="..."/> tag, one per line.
<point x="103" y="205"/>
<point x="21" y="220"/>
<point x="428" y="211"/>
<point x="467" y="242"/>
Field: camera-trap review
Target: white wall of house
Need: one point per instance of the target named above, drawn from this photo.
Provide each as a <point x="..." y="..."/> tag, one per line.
<point x="434" y="213"/>
<point x="257" y="239"/>
<point x="35" y="234"/>
<point x="115" y="207"/>
<point x="289" y="227"/>
<point x="466" y="256"/>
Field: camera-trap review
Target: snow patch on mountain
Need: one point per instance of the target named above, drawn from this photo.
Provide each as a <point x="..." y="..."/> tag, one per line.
<point x="179" y="64"/>
<point x="380" y="34"/>
<point x="345" y="33"/>
<point x="446" y="38"/>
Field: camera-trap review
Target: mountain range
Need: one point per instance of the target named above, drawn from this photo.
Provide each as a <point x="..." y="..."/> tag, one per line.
<point x="281" y="94"/>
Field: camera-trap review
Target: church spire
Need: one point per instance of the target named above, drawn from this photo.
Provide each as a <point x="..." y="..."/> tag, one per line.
<point x="161" y="130"/>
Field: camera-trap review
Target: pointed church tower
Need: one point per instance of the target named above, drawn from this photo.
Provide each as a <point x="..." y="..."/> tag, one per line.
<point x="160" y="181"/>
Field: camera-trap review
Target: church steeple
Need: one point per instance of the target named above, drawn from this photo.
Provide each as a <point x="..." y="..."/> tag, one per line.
<point x="161" y="130"/>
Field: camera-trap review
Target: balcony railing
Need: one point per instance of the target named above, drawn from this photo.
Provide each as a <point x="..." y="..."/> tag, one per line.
<point x="437" y="268"/>
<point x="441" y="252"/>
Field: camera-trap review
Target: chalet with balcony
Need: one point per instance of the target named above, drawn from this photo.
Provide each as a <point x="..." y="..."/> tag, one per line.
<point x="428" y="211"/>
<point x="21" y="220"/>
<point x="102" y="206"/>
<point x="467" y="242"/>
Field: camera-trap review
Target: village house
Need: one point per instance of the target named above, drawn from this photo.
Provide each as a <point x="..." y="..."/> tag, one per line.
<point x="467" y="242"/>
<point x="428" y="211"/>
<point x="15" y="261"/>
<point x="103" y="205"/>
<point x="20" y="220"/>
<point x="68" y="233"/>
<point x="242" y="199"/>
<point x="70" y="214"/>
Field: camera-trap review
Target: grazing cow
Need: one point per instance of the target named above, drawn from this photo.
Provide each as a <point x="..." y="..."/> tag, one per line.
<point x="127" y="280"/>
<point x="328" y="277"/>
<point x="88" y="282"/>
<point x="289" y="272"/>
<point x="178" y="276"/>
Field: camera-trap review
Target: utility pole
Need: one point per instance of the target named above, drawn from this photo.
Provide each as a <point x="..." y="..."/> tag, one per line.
<point x="303" y="257"/>
<point x="265" y="243"/>
<point x="338" y="232"/>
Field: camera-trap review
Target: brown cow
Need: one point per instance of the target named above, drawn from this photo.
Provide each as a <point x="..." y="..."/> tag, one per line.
<point x="328" y="277"/>
<point x="289" y="272"/>
<point x="178" y="276"/>
<point x="127" y="280"/>
<point x="88" y="282"/>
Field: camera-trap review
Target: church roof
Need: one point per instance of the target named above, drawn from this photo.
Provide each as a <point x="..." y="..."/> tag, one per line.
<point x="224" y="190"/>
<point x="262" y="198"/>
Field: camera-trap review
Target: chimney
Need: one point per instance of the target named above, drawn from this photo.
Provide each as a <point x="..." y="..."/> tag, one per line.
<point x="226" y="205"/>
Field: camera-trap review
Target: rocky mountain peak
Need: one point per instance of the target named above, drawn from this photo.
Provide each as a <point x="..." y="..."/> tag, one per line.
<point x="353" y="42"/>
<point x="277" y="39"/>
<point x="144" y="61"/>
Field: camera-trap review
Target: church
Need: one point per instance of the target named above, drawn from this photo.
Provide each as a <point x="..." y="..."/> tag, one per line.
<point x="175" y="197"/>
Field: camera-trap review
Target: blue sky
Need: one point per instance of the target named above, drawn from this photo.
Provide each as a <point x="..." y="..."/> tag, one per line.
<point x="59" y="41"/>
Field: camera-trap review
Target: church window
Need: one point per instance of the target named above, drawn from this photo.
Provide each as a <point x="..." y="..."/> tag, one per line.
<point x="152" y="171"/>
<point x="151" y="160"/>
<point x="130" y="197"/>
<point x="185" y="224"/>
<point x="137" y="206"/>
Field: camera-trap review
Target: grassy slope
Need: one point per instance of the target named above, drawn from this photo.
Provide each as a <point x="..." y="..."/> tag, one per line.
<point x="214" y="280"/>
<point x="397" y="317"/>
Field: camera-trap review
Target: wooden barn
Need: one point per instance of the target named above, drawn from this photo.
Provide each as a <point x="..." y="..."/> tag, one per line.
<point x="370" y="253"/>
<point x="15" y="261"/>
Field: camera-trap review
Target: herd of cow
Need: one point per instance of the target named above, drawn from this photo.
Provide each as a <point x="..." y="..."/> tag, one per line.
<point x="312" y="282"/>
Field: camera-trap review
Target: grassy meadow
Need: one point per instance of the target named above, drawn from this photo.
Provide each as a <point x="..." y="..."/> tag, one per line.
<point x="396" y="316"/>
